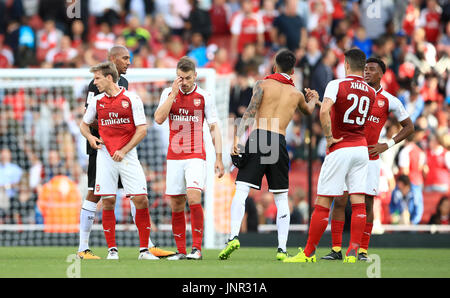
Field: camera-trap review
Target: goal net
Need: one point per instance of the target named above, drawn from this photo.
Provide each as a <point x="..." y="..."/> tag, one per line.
<point x="44" y="163"/>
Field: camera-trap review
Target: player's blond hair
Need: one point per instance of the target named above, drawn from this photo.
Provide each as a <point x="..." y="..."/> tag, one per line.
<point x="107" y="68"/>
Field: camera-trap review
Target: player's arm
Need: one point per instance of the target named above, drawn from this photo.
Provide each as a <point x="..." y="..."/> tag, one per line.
<point x="162" y="112"/>
<point x="406" y="131"/>
<point x="325" y="121"/>
<point x="88" y="118"/>
<point x="307" y="102"/>
<point x="248" y="119"/>
<point x="407" y="127"/>
<point x="139" y="135"/>
<point x="92" y="92"/>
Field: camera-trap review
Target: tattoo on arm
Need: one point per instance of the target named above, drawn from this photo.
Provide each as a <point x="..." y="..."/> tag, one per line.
<point x="249" y="116"/>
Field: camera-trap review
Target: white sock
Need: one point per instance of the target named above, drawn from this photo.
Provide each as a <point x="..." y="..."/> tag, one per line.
<point x="283" y="218"/>
<point x="238" y="208"/>
<point x="87" y="216"/>
<point x="133" y="214"/>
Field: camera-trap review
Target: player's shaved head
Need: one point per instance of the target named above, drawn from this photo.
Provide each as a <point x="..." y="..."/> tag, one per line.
<point x="120" y="56"/>
<point x="116" y="51"/>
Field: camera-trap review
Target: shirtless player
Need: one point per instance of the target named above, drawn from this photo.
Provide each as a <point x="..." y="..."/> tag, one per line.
<point x="272" y="106"/>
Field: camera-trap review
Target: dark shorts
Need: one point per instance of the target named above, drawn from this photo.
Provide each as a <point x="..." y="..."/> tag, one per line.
<point x="267" y="156"/>
<point x="92" y="169"/>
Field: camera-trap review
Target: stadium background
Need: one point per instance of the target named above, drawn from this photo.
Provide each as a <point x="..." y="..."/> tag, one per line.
<point x="38" y="133"/>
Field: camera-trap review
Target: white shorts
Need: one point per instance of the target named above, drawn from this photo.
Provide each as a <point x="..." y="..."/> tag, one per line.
<point x="130" y="172"/>
<point x="373" y="178"/>
<point x="183" y="174"/>
<point x="345" y="167"/>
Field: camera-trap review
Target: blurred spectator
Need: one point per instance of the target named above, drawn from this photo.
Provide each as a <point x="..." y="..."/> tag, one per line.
<point x="430" y="20"/>
<point x="361" y="41"/>
<point x="59" y="203"/>
<point x="412" y="163"/>
<point x="10" y="175"/>
<point x="442" y="214"/>
<point x="240" y="96"/>
<point x="295" y="217"/>
<point x="105" y="11"/>
<point x="220" y="15"/>
<point x="78" y="34"/>
<point x="413" y="101"/>
<point x="289" y="28"/>
<point x="438" y="160"/>
<point x="246" y="27"/>
<point x="197" y="49"/>
<point x="63" y="55"/>
<point x="430" y="91"/>
<point x="249" y="61"/>
<point x="300" y="203"/>
<point x="268" y="209"/>
<point x="310" y="60"/>
<point x="48" y="38"/>
<point x="179" y="11"/>
<point x="135" y="35"/>
<point x="374" y="15"/>
<point x="405" y="207"/>
<point x="198" y="21"/>
<point x="105" y="38"/>
<point x="139" y="8"/>
<point x="268" y="14"/>
<point x="174" y="50"/>
<point x="54" y="166"/>
<point x="220" y="62"/>
<point x="323" y="73"/>
<point x="6" y="55"/>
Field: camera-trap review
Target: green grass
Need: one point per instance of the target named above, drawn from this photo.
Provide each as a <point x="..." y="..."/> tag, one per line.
<point x="246" y="262"/>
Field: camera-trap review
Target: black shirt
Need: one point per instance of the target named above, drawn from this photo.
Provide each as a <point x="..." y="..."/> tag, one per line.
<point x="93" y="91"/>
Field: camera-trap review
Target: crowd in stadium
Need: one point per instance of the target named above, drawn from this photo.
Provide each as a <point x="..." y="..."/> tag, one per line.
<point x="237" y="38"/>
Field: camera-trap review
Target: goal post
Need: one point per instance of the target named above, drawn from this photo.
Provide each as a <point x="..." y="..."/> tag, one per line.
<point x="40" y="111"/>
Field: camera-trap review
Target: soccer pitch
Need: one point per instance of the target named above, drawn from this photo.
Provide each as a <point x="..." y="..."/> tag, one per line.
<point x="247" y="262"/>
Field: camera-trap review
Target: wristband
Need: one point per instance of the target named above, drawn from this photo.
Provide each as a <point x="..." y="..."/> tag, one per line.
<point x="390" y="143"/>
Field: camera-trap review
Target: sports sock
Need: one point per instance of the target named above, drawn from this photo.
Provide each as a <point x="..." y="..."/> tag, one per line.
<point x="143" y="225"/>
<point x="357" y="227"/>
<point x="87" y="216"/>
<point x="197" y="225"/>
<point x="109" y="227"/>
<point x="337" y="227"/>
<point x="179" y="231"/>
<point x="237" y="209"/>
<point x="133" y="214"/>
<point x="317" y="226"/>
<point x="283" y="218"/>
<point x="365" y="239"/>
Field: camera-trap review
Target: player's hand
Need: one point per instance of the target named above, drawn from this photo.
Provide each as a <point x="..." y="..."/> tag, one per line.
<point x="176" y="86"/>
<point x="219" y="168"/>
<point x="95" y="142"/>
<point x="118" y="155"/>
<point x="377" y="149"/>
<point x="311" y="95"/>
<point x="331" y="141"/>
<point x="235" y="150"/>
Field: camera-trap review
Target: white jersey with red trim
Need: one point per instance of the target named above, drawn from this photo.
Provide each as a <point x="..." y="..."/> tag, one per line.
<point x="117" y="116"/>
<point x="186" y="118"/>
<point x="384" y="104"/>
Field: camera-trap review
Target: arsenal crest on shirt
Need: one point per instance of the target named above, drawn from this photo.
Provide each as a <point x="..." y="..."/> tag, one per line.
<point x="125" y="104"/>
<point x="381" y="103"/>
<point x="197" y="102"/>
